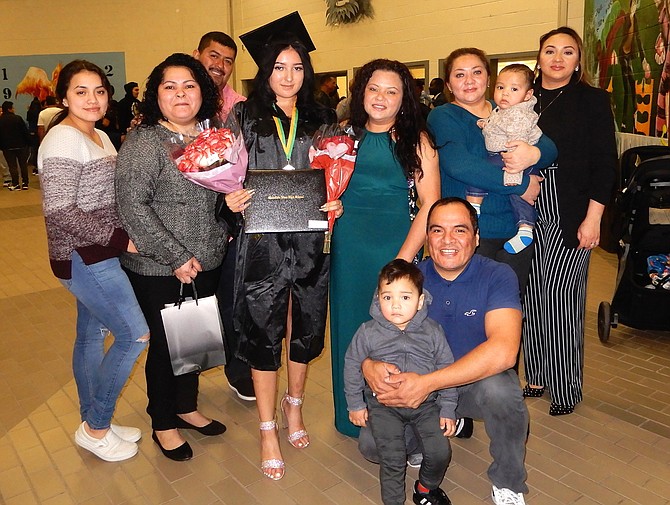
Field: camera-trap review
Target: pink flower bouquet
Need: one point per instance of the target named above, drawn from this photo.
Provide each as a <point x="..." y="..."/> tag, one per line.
<point x="216" y="159"/>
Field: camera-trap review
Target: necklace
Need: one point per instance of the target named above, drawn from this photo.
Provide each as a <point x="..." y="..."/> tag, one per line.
<point x="542" y="109"/>
<point x="287" y="143"/>
<point x="176" y="129"/>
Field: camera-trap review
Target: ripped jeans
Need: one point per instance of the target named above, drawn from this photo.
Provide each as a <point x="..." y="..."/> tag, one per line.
<point x="105" y="303"/>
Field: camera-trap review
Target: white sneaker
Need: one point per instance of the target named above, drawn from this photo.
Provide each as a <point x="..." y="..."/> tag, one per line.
<point x="127" y="433"/>
<point x="506" y="496"/>
<point x="109" y="448"/>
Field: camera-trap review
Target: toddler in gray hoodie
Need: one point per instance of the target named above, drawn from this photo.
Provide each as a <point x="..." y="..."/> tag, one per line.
<point x="401" y="333"/>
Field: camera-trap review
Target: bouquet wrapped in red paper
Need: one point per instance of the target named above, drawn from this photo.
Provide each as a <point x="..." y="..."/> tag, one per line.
<point x="214" y="158"/>
<point x="334" y="149"/>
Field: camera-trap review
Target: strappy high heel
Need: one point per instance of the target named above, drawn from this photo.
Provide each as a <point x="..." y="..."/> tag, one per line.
<point x="270" y="467"/>
<point x="294" y="437"/>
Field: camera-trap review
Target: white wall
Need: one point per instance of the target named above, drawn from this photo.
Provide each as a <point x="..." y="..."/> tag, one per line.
<point x="414" y="30"/>
<point x="146" y="30"/>
<point x="407" y="30"/>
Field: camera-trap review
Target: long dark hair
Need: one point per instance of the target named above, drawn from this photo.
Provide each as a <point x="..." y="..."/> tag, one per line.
<point x="581" y="74"/>
<point x="409" y="126"/>
<point x="151" y="112"/>
<point x="263" y="92"/>
<point x="64" y="79"/>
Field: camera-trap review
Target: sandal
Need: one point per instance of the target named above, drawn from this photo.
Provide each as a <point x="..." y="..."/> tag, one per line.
<point x="530" y="392"/>
<point x="294" y="437"/>
<point x="270" y="467"/>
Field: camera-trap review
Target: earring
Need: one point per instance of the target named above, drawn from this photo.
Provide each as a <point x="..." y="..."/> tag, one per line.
<point x="65" y="103"/>
<point x="538" y="67"/>
<point x="577" y="68"/>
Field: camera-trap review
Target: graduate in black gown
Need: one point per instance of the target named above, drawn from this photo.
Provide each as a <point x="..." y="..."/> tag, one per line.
<point x="281" y="281"/>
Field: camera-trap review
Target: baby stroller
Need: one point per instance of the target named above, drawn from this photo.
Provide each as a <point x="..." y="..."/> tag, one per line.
<point x="643" y="203"/>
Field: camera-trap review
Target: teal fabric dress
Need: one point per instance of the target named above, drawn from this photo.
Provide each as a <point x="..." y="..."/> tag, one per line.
<point x="369" y="234"/>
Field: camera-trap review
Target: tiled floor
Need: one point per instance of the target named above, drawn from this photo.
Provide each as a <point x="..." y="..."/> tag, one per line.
<point x="615" y="449"/>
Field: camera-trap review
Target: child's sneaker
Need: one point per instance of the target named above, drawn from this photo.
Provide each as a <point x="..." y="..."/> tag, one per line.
<point x="433" y="497"/>
<point x="464" y="427"/>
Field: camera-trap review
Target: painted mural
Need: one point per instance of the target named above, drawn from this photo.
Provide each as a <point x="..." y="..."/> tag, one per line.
<point x="23" y="77"/>
<point x="628" y="53"/>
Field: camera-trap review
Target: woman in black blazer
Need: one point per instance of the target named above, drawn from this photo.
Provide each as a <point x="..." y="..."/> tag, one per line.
<point x="578" y="118"/>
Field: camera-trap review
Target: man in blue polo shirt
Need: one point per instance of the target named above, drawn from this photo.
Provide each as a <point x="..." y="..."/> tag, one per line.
<point x="476" y="300"/>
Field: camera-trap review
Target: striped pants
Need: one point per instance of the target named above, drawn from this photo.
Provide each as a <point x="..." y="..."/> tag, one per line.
<point x="553" y="333"/>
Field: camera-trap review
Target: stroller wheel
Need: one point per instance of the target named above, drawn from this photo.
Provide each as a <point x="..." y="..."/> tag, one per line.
<point x="604" y="321"/>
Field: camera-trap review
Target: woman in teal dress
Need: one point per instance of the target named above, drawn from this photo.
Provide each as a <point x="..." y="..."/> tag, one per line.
<point x="396" y="159"/>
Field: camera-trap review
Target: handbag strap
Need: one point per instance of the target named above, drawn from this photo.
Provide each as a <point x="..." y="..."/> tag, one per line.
<point x="181" y="293"/>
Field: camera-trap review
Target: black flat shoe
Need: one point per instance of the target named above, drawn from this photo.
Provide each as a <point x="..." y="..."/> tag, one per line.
<point x="181" y="453"/>
<point x="529" y="392"/>
<point x="212" y="429"/>
<point x="560" y="410"/>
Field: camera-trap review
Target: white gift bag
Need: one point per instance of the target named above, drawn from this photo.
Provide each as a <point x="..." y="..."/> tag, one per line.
<point x="194" y="333"/>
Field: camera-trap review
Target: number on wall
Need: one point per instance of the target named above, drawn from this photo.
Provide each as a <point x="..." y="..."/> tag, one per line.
<point x="109" y="70"/>
<point x="7" y="93"/>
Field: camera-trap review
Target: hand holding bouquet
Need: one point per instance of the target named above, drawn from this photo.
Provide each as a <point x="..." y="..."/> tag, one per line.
<point x="216" y="159"/>
<point x="334" y="150"/>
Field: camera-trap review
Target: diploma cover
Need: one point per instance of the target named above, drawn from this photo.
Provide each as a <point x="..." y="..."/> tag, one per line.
<point x="286" y="201"/>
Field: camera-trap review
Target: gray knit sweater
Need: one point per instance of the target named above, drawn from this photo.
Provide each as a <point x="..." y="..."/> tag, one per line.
<point x="518" y="122"/>
<point x="169" y="219"/>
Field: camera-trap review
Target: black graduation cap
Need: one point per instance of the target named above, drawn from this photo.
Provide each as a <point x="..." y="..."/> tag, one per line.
<point x="289" y="28"/>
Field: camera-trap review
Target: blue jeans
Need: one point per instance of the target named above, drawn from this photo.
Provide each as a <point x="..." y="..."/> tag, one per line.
<point x="105" y="303"/>
<point x="524" y="212"/>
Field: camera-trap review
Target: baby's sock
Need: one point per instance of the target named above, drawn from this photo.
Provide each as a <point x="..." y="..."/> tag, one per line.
<point x="522" y="239"/>
<point x="478" y="207"/>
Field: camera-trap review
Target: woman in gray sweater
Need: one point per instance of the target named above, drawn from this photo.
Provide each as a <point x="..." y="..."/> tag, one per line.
<point x="171" y="220"/>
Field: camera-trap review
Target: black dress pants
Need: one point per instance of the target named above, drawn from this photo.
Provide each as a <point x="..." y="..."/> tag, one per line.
<point x="168" y="394"/>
